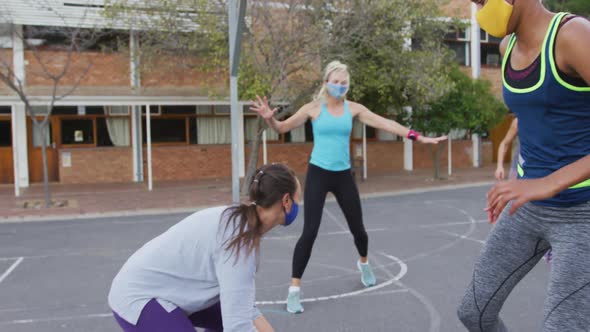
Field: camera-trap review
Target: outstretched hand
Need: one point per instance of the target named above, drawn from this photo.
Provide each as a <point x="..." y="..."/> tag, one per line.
<point x="262" y="107"/>
<point x="431" y="140"/>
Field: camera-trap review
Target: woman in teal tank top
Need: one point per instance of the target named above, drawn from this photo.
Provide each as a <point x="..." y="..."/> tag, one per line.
<point x="546" y="83"/>
<point x="329" y="167"/>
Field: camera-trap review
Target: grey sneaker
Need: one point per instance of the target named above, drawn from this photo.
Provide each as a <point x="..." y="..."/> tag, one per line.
<point x="367" y="275"/>
<point x="294" y="302"/>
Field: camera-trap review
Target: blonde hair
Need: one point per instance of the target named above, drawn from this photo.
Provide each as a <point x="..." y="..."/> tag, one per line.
<point x="332" y="67"/>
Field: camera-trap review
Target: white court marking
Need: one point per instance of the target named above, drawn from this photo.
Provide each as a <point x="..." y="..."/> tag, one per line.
<point x="343" y="232"/>
<point x="482" y="221"/>
<point x="11" y="268"/>
<point x="472" y="225"/>
<point x="401" y="274"/>
<point x="463" y="237"/>
<point x="53" y="319"/>
<point x="435" y="318"/>
<point x="387" y="292"/>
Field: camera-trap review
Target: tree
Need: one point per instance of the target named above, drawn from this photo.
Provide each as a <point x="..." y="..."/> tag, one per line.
<point x="579" y="7"/>
<point x="394" y="49"/>
<point x="469" y="105"/>
<point x="281" y="45"/>
<point x="61" y="75"/>
<point x="282" y="52"/>
<point x="397" y="58"/>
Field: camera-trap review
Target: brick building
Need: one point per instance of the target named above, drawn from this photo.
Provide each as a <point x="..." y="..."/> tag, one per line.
<point x="98" y="133"/>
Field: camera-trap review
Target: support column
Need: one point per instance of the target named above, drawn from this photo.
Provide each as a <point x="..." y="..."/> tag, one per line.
<point x="408" y="155"/>
<point x="136" y="134"/>
<point x="19" y="115"/>
<point x="148" y="131"/>
<point x="20" y="148"/>
<point x="137" y="144"/>
<point x="475" y="74"/>
<point x="476" y="141"/>
<point x="408" y="146"/>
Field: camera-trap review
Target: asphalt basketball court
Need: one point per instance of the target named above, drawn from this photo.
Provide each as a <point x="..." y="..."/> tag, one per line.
<point x="55" y="275"/>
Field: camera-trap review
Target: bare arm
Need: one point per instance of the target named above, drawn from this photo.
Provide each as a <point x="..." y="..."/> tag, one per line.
<point x="510" y="135"/>
<point x="262" y="325"/>
<point x="376" y="121"/>
<point x="262" y="107"/>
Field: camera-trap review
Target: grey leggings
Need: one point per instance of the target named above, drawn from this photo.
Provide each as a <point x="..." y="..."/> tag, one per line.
<point x="513" y="248"/>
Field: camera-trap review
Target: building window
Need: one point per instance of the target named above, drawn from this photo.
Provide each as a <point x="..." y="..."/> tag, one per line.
<point x="459" y="48"/>
<point x="167" y="131"/>
<point x="77" y="132"/>
<point x="5" y="134"/>
<point x="113" y="131"/>
<point x="300" y="135"/>
<point x="357" y="131"/>
<point x="92" y="110"/>
<point x="214" y="130"/>
<point x="64" y="110"/>
<point x="490" y="54"/>
<point x="181" y="109"/>
<point x="456" y="40"/>
<point x="250" y="132"/>
<point x="193" y="136"/>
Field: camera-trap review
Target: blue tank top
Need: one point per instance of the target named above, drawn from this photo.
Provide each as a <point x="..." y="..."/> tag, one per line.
<point x="331" y="137"/>
<point x="553" y="122"/>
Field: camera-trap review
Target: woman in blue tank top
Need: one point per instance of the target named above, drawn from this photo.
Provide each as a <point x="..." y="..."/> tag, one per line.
<point x="546" y="78"/>
<point x="329" y="167"/>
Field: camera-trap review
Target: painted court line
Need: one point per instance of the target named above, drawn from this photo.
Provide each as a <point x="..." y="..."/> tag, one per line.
<point x="401" y="274"/>
<point x="53" y="319"/>
<point x="472" y="225"/>
<point x="91" y="252"/>
<point x="435" y="320"/>
<point x="11" y="268"/>
<point x="393" y="291"/>
<point x="482" y="221"/>
<point x="463" y="237"/>
<point x="343" y="232"/>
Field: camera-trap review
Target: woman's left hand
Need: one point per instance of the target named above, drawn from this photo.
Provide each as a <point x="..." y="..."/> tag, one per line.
<point x="431" y="140"/>
<point x="519" y="191"/>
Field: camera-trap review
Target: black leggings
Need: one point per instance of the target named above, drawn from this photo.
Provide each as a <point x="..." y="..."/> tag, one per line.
<point x="318" y="183"/>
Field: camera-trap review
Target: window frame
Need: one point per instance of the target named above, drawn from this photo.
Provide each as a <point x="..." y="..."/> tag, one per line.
<point x="94" y="118"/>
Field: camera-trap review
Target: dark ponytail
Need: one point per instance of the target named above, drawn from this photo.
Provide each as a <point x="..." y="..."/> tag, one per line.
<point x="268" y="187"/>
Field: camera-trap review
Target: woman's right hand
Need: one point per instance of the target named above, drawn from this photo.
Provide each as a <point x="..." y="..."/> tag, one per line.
<point x="261" y="107"/>
<point x="499" y="174"/>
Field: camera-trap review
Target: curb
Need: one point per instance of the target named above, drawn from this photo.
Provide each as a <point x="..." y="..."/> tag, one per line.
<point x="156" y="212"/>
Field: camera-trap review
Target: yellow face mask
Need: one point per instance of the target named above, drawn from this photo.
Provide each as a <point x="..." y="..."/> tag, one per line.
<point x="494" y="17"/>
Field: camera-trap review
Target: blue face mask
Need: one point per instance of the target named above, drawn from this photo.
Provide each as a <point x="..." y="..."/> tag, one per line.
<point x="291" y="216"/>
<point x="336" y="90"/>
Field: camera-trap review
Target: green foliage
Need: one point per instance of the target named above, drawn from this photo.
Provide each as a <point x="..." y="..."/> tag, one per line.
<point x="579" y="7"/>
<point x="469" y="105"/>
<point x="395" y="52"/>
<point x="251" y="82"/>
